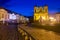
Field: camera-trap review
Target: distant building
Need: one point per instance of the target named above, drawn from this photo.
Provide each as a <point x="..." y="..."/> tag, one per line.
<point x="40" y="13"/>
<point x="22" y="19"/>
<point x="10" y="16"/>
<point x="55" y="16"/>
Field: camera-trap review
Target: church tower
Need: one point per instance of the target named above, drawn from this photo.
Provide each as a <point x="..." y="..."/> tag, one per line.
<point x="37" y="12"/>
<point x="41" y="9"/>
<point x="45" y="9"/>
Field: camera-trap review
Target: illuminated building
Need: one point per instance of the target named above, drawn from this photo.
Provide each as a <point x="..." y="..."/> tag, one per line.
<point x="12" y="16"/>
<point x="54" y="18"/>
<point x="3" y="14"/>
<point x="41" y="13"/>
<point x="22" y="19"/>
<point x="57" y="17"/>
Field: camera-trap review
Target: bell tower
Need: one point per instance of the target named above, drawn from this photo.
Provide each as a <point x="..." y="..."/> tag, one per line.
<point x="36" y="13"/>
<point x="34" y="9"/>
<point x="41" y="9"/>
<point x="45" y="9"/>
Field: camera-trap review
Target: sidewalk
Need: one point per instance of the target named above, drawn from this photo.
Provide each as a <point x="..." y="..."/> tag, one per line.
<point x="41" y="34"/>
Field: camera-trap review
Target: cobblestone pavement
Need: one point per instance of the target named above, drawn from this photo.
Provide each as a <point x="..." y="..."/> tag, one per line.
<point x="8" y="32"/>
<point x="41" y="34"/>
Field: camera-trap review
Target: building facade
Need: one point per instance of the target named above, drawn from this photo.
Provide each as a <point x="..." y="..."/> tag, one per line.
<point x="40" y="13"/>
<point x="3" y="14"/>
<point x="7" y="16"/>
<point x="54" y="18"/>
<point x="57" y="17"/>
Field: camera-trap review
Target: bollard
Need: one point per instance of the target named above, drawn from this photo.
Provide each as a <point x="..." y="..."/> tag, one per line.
<point x="19" y="29"/>
<point x="7" y="23"/>
<point x="23" y="33"/>
<point x="26" y="37"/>
<point x="30" y="38"/>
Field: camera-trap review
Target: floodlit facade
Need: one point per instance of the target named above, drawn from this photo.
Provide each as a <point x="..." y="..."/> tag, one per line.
<point x="40" y="13"/>
<point x="23" y="19"/>
<point x="3" y="14"/>
<point x="56" y="16"/>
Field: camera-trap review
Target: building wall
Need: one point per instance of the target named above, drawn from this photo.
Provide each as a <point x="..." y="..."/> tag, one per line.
<point x="40" y="12"/>
<point x="3" y="14"/>
<point x="55" y="16"/>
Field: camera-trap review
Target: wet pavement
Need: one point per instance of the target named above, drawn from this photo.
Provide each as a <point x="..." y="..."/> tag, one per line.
<point x="9" y="32"/>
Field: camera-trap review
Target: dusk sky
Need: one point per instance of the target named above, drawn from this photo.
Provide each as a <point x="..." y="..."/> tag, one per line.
<point x="26" y="7"/>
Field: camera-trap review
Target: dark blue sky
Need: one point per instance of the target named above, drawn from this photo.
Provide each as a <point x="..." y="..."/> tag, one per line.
<point x="25" y="7"/>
